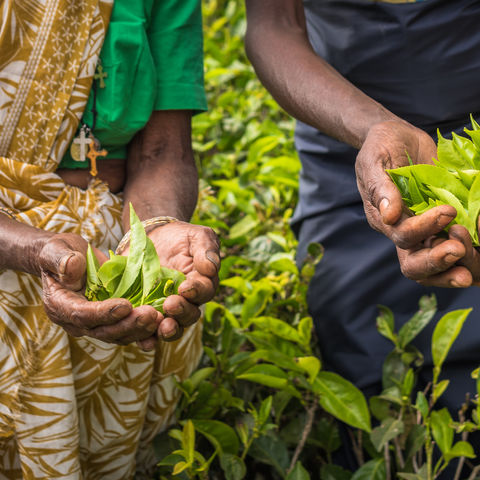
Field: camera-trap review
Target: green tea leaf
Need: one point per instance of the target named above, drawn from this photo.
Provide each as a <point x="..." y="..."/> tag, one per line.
<point x="150" y="268"/>
<point x="415" y="441"/>
<point x="442" y="431"/>
<point x="466" y="150"/>
<point x="298" y="473"/>
<point x="342" y="399"/>
<point x="447" y="155"/>
<point x="219" y="434"/>
<point x="111" y="272"/>
<point x="445" y="333"/>
<point x="460" y="449"/>
<point x="334" y="472"/>
<point x="138" y="240"/>
<point x="92" y="268"/>
<point x="233" y="466"/>
<point x="385" y="324"/>
<point x="388" y="430"/>
<point x="372" y="470"/>
<point x="428" y="307"/>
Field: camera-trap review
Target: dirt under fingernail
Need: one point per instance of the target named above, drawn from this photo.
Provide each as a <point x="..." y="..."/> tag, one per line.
<point x="119" y="311"/>
<point x="214" y="258"/>
<point x="170" y="333"/>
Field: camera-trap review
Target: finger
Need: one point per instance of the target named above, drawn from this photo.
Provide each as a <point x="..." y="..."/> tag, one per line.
<point x="375" y="186"/>
<point x="66" y="307"/>
<point x="205" y="250"/>
<point x="411" y="231"/>
<point x="184" y="312"/>
<point x="456" y="277"/>
<point x="198" y="288"/>
<point x="147" y="323"/>
<point x="471" y="259"/>
<point x="148" y="344"/>
<point x="425" y="262"/>
<point x="66" y="265"/>
<point x="169" y="330"/>
<point x="139" y="325"/>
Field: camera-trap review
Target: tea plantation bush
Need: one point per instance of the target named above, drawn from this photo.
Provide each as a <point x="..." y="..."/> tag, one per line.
<point x="260" y="406"/>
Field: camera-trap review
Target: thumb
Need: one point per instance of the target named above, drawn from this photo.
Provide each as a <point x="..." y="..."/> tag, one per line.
<point x="376" y="187"/>
<point x="66" y="265"/>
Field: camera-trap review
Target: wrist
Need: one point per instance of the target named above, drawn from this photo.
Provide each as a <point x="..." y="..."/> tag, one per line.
<point x="21" y="245"/>
<point x="149" y="225"/>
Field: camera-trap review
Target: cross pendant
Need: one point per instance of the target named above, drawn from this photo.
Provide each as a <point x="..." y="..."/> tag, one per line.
<point x="82" y="140"/>
<point x="100" y="76"/>
<point x="92" y="155"/>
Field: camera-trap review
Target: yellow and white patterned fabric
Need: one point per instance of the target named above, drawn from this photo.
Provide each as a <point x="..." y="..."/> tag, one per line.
<point x="70" y="408"/>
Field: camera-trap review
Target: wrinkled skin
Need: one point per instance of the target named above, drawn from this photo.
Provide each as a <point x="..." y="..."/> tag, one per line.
<point x="193" y="250"/>
<point x="424" y="257"/>
<point x="62" y="263"/>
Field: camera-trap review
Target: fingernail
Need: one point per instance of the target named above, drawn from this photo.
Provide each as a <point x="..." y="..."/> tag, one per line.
<point x="170" y="333"/>
<point x="451" y="258"/>
<point x="177" y="310"/>
<point x="62" y="267"/>
<point x="214" y="258"/>
<point x="119" y="311"/>
<point x="443" y="220"/>
<point x="384" y="204"/>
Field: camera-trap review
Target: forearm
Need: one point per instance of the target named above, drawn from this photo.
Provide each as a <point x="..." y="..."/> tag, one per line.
<point x="20" y="245"/>
<point x="305" y="85"/>
<point x="161" y="173"/>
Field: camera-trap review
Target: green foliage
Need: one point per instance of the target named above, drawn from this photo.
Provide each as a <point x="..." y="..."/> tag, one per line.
<point x="260" y="406"/>
<point x="453" y="180"/>
<point x="138" y="277"/>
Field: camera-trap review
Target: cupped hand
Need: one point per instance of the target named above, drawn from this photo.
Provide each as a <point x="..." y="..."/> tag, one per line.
<point x="423" y="257"/>
<point x="62" y="263"/>
<point x="195" y="251"/>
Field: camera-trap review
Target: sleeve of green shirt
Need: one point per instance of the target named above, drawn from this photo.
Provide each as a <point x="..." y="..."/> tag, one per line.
<point x="176" y="43"/>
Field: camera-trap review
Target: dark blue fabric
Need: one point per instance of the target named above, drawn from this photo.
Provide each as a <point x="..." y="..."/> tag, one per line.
<point x="421" y="61"/>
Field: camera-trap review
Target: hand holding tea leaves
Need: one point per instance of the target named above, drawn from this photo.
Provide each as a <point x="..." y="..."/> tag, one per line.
<point x="422" y="256"/>
<point x="454" y="180"/>
<point x="62" y="263"/>
<point x="140" y="278"/>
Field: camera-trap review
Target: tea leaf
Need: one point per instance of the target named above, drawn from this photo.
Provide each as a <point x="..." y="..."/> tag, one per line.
<point x="150" y="268"/>
<point x="445" y="333"/>
<point x="388" y="430"/>
<point x="372" y="470"/>
<point x="441" y="429"/>
<point x="92" y="268"/>
<point x="298" y="473"/>
<point x="428" y="307"/>
<point x="342" y="399"/>
<point x="138" y="240"/>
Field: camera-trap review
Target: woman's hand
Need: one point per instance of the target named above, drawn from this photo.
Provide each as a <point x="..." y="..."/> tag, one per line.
<point x="62" y="265"/>
<point x="422" y="257"/>
<point x="193" y="250"/>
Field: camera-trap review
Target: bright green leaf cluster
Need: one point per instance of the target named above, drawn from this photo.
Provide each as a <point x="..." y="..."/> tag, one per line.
<point x="453" y="180"/>
<point x="138" y="277"/>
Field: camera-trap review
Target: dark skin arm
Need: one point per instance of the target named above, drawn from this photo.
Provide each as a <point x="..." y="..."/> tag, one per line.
<point x="59" y="259"/>
<point x="312" y="91"/>
<point x="162" y="180"/>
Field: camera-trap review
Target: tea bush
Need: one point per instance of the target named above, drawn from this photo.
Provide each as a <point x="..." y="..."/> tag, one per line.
<point x="260" y="406"/>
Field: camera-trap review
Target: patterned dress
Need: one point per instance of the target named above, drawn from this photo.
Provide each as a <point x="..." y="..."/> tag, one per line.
<point x="70" y="408"/>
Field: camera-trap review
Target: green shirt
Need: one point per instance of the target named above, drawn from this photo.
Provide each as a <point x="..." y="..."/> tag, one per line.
<point x="153" y="58"/>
